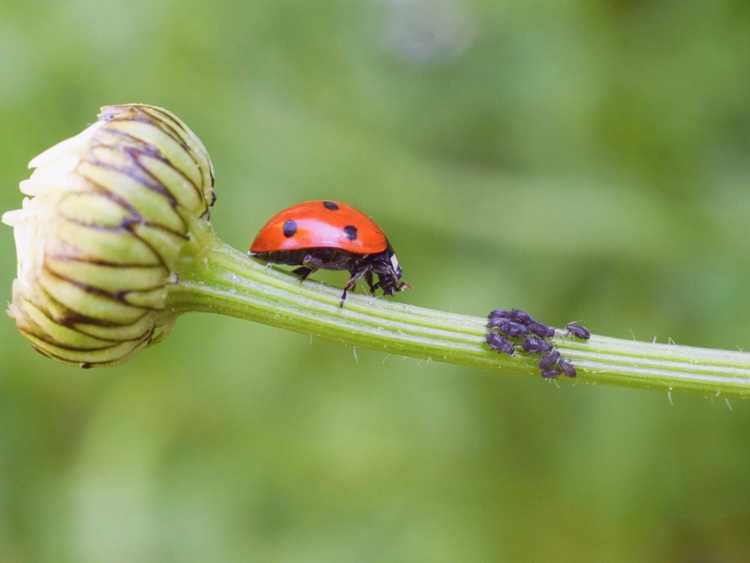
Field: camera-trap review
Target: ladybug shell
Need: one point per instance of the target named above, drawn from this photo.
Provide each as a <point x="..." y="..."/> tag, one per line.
<point x="320" y="224"/>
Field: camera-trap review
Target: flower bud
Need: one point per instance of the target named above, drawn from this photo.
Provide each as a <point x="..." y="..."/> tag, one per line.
<point x="106" y="215"/>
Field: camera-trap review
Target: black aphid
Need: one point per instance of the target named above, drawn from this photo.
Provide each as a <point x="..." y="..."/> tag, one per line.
<point x="534" y="345"/>
<point x="578" y="331"/>
<point x="567" y="368"/>
<point x="499" y="343"/>
<point x="541" y="330"/>
<point x="519" y="316"/>
<point x="549" y="360"/>
<point x="509" y="328"/>
<point x="499" y="314"/>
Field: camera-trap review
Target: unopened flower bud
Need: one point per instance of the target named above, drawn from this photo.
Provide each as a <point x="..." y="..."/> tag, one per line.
<point x="106" y="215"/>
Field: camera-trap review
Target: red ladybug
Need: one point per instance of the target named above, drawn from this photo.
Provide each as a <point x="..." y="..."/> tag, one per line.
<point x="330" y="235"/>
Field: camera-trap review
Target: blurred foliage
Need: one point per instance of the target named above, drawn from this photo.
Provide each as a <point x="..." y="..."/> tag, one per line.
<point x="582" y="160"/>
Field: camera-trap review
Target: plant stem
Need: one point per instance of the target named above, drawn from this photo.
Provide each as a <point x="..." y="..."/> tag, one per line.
<point x="216" y="278"/>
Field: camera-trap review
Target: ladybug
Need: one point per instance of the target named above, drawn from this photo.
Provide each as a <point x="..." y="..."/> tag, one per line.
<point x="330" y="235"/>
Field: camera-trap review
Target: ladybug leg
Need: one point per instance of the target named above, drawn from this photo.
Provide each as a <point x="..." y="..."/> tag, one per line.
<point x="310" y="264"/>
<point x="302" y="272"/>
<point x="370" y="282"/>
<point x="356" y="275"/>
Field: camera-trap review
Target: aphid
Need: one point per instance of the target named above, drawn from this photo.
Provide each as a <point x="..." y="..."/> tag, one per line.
<point x="509" y="328"/>
<point x="541" y="330"/>
<point x="499" y="343"/>
<point x="578" y="331"/>
<point x="520" y="316"/>
<point x="549" y="360"/>
<point x="567" y="368"/>
<point x="496" y="322"/>
<point x="550" y="373"/>
<point x="534" y="345"/>
<point x="499" y="314"/>
<point x="330" y="235"/>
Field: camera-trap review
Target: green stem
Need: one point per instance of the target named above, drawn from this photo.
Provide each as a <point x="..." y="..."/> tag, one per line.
<point x="216" y="278"/>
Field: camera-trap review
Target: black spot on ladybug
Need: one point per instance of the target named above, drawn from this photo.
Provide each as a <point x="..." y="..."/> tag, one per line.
<point x="351" y="232"/>
<point x="330" y="205"/>
<point x="290" y="228"/>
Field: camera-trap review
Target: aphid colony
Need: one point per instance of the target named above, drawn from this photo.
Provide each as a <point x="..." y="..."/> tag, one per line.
<point x="507" y="329"/>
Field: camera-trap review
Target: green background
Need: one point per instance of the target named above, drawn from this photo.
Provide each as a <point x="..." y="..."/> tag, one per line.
<point x="581" y="160"/>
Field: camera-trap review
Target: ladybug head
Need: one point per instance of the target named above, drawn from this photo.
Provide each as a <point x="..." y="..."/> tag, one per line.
<point x="389" y="272"/>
